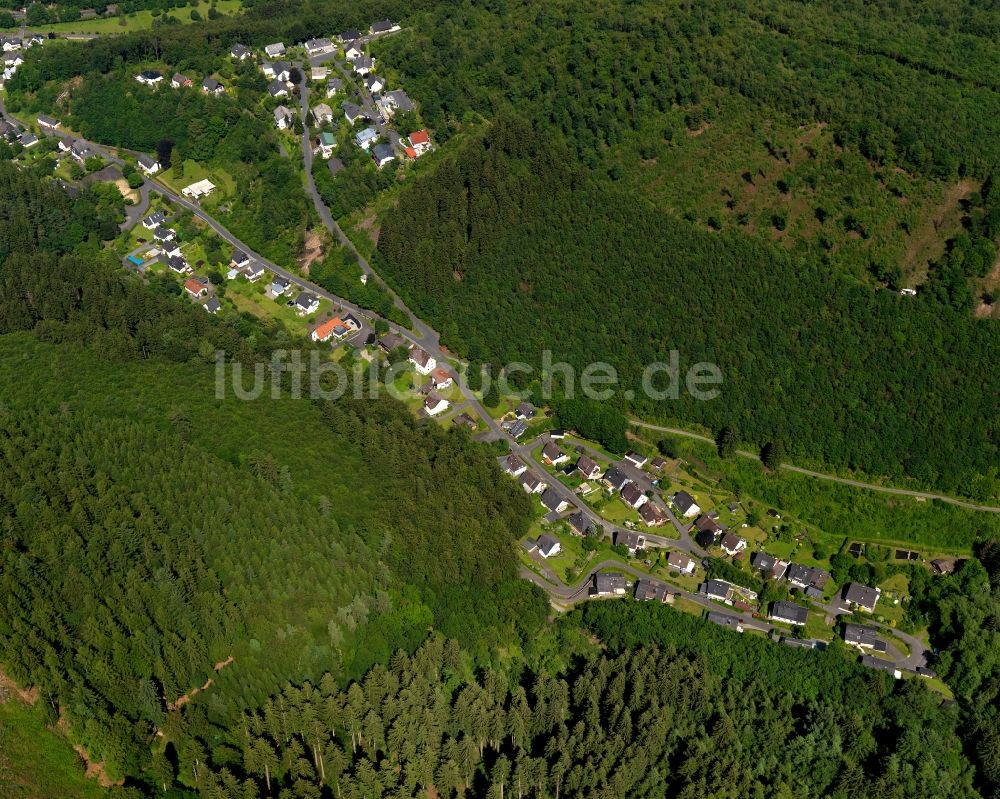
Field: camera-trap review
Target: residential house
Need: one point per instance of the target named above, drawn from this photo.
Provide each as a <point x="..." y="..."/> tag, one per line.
<point x="213" y="87"/>
<point x="334" y="86"/>
<point x="354" y="50"/>
<point x="195" y="288"/>
<point x="532" y="484"/>
<point x="382" y="154"/>
<point x="274" y="50"/>
<point x="553" y="501"/>
<point x="306" y="303"/>
<point x="552" y="455"/>
<point x="940" y="566"/>
<point x="198" y="189"/>
<point x="637" y="459"/>
<point x="163" y="234"/>
<point x="678" y="561"/>
<point x="374" y="84"/>
<point x="770" y="566"/>
<point x="651" y="515"/>
<point x="48" y="124"/>
<point x="390" y="342"/>
<point x="422" y="361"/>
<point x="514" y="466"/>
<point x="525" y="410"/>
<point x="284" y="117"/>
<point x="325" y="144"/>
<point x="685" y="504"/>
<point x="366" y="138"/>
<point x="279" y="286"/>
<point x="578" y="523"/>
<point x="240" y="52"/>
<point x="442" y="379"/>
<point x="277" y="70"/>
<point x="391" y="102"/>
<point x="352" y="113"/>
<point x="148" y="164"/>
<point x="278" y="88"/>
<point x="363" y="65"/>
<point x="557" y="434"/>
<point x="335" y="165"/>
<point x="863" y="637"/>
<point x="732" y="544"/>
<point x="28" y="139"/>
<point x="318" y="47"/>
<point x="435" y="404"/>
<point x="212" y="305"/>
<point x="9" y="133"/>
<point x="149" y="77"/>
<point x="608" y="584"/>
<point x="615" y="479"/>
<point x="647" y="590"/>
<point x="706" y="523"/>
<point x="178" y="265"/>
<point x="806" y="576"/>
<point x="725" y="620"/>
<point x="718" y="589"/>
<point x="862" y="597"/>
<point x="349" y="36"/>
<point x="81" y="152"/>
<point x="322" y="113"/>
<point x="11" y="44"/>
<point x="588" y="467"/>
<point x="788" y="612"/>
<point x="383" y="26"/>
<point x="633" y="542"/>
<point x="179" y="81"/>
<point x="332" y="328"/>
<point x="239" y="259"/>
<point x="516" y="428"/>
<point x="420" y="141"/>
<point x="319" y="73"/>
<point x="881" y="665"/>
<point x="548" y="546"/>
<point x="253" y="271"/>
<point x="633" y="496"/>
<point x="658" y="464"/>
<point x="154" y="220"/>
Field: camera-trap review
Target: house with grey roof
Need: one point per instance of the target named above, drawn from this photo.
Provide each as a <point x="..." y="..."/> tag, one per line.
<point x="863" y="637"/>
<point x="788" y="612"/>
<point x="862" y="597"/>
<point x="608" y="584"/>
<point x="240" y="52"/>
<point x="647" y="590"/>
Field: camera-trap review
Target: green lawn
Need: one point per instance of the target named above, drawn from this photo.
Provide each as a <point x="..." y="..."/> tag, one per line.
<point x="140" y="20"/>
<point x="193" y="172"/>
<point x="37" y="763"/>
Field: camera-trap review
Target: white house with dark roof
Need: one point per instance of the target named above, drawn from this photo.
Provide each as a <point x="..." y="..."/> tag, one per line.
<point x="862" y="597"/>
<point x="148" y="164"/>
<point x="548" y="546"/>
<point x="240" y="52"/>
<point x="678" y="561"/>
<point x="213" y="87"/>
<point x="863" y="637"/>
<point x="633" y="496"/>
<point x="318" y="47"/>
<point x="685" y="504"/>
<point x="552" y="500"/>
<point x="588" y="467"/>
<point x="353" y="50"/>
<point x="149" y="77"/>
<point x="788" y="612"/>
<point x="322" y="113"/>
<point x="552" y="455"/>
<point x="306" y="303"/>
<point x="363" y="65"/>
<point x="514" y="466"/>
<point x="422" y="361"/>
<point x="383" y="26"/>
<point x="284" y="117"/>
<point x="608" y="584"/>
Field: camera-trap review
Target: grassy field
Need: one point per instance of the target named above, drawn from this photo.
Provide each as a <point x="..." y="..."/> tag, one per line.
<point x="37" y="763"/>
<point x="140" y="20"/>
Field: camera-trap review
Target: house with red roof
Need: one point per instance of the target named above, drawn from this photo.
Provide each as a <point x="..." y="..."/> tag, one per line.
<point x="195" y="288"/>
<point x="420" y="142"/>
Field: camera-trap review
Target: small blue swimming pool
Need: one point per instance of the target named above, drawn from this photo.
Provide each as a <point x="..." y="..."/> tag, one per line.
<point x="135" y="260"/>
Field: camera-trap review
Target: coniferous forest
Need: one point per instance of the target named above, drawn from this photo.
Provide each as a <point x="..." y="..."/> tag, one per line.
<point x="320" y="599"/>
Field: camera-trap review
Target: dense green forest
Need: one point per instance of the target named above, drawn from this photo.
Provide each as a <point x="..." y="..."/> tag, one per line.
<point x="152" y="531"/>
<point x="839" y="373"/>
<point x="674" y="708"/>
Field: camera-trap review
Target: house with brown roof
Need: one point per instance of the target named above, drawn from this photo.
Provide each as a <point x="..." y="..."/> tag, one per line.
<point x="651" y="515"/>
<point x="514" y="466"/>
<point x="681" y="562"/>
<point x="195" y="288"/>
<point x="588" y="467"/>
<point x="552" y="455"/>
<point x="422" y="361"/>
<point x="633" y="542"/>
<point x="732" y="544"/>
<point x="633" y="496"/>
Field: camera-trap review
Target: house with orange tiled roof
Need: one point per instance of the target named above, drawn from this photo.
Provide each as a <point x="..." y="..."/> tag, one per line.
<point x="334" y="328"/>
<point x="195" y="288"/>
<point x="441" y="378"/>
<point x="420" y="142"/>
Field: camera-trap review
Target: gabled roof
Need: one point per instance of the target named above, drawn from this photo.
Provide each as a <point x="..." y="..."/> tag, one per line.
<point x="552" y="451"/>
<point x="609" y="583"/>
<point x="864" y="636"/>
<point x="789" y="611"/>
<point x="306" y="300"/>
<point x="420" y="356"/>
<point x="551" y="499"/>
<point x="546" y="543"/>
<point x="420" y="137"/>
<point x="718" y="589"/>
<point x="587" y="465"/>
<point x="578" y="521"/>
<point x="631" y="493"/>
<point x="862" y="595"/>
<point x="274" y="88"/>
<point x="679" y="561"/>
<point x="630" y="539"/>
<point x="647" y="590"/>
<point x="616" y="478"/>
<point x="684" y="501"/>
<point x="211" y="84"/>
